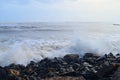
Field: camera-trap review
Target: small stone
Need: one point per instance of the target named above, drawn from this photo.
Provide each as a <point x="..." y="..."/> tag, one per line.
<point x="70" y="69"/>
<point x="118" y="54"/>
<point x="51" y="74"/>
<point x="87" y="64"/>
<point x="76" y="66"/>
<point x="14" y="72"/>
<point x="69" y="74"/>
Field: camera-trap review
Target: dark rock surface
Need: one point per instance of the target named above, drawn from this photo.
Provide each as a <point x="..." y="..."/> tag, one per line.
<point x="70" y="67"/>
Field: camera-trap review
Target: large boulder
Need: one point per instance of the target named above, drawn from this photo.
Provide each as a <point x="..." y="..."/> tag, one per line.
<point x="90" y="55"/>
<point x="71" y="58"/>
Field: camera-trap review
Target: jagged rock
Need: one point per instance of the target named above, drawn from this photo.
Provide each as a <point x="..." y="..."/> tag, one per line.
<point x="110" y="55"/>
<point x="88" y="73"/>
<point x="90" y="67"/>
<point x="60" y="61"/>
<point x="102" y="58"/>
<point x="91" y="61"/>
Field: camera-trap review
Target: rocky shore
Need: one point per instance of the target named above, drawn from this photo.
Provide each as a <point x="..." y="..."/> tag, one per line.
<point x="69" y="67"/>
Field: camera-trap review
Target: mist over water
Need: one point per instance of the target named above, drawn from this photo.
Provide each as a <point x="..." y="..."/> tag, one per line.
<point x="21" y="43"/>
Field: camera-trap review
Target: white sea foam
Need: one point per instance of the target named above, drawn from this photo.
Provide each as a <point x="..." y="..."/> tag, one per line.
<point x="24" y="51"/>
<point x="23" y="47"/>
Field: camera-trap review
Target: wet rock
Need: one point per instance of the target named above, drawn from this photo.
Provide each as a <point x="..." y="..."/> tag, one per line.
<point x="117" y="60"/>
<point x="76" y="66"/>
<point x="32" y="78"/>
<point x="88" y="55"/>
<point x="71" y="58"/>
<point x="51" y="74"/>
<point x="108" y="78"/>
<point x="70" y="69"/>
<point x="106" y="63"/>
<point x="14" y="72"/>
<point x="110" y="55"/>
<point x="60" y="61"/>
<point x="62" y="70"/>
<point x="116" y="64"/>
<point x="104" y="70"/>
<point x="11" y="77"/>
<point x="87" y="64"/>
<point x="2" y="74"/>
<point x="89" y="75"/>
<point x="44" y="61"/>
<point x="118" y="54"/>
<point x="116" y="75"/>
<point x="91" y="61"/>
<point x="69" y="74"/>
<point x="19" y="78"/>
<point x="66" y="78"/>
<point x="90" y="67"/>
<point x="102" y="58"/>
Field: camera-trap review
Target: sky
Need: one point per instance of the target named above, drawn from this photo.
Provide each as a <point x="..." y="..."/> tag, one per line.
<point x="60" y="10"/>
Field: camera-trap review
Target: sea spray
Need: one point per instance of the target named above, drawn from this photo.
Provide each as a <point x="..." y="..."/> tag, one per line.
<point x="21" y="44"/>
<point x="24" y="51"/>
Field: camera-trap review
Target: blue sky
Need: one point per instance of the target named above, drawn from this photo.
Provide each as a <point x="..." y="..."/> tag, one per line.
<point x="59" y="10"/>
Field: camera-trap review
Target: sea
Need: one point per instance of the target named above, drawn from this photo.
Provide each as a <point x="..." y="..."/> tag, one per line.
<point x="21" y="43"/>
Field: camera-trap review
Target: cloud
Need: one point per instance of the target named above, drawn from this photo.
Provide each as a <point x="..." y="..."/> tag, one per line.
<point x="61" y="10"/>
<point x="29" y="1"/>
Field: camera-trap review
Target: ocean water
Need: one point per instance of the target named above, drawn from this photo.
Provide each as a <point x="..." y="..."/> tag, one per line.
<point x="21" y="43"/>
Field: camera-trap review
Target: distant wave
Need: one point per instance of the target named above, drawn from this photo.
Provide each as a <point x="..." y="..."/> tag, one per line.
<point x="16" y="30"/>
<point x="29" y="28"/>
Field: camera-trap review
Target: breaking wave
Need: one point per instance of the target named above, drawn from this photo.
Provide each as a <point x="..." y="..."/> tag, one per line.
<point x="21" y="49"/>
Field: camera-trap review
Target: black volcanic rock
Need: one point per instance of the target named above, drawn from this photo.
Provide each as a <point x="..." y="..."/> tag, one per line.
<point x="90" y="67"/>
<point x="71" y="58"/>
<point x="90" y="55"/>
<point x="3" y="74"/>
<point x="116" y="75"/>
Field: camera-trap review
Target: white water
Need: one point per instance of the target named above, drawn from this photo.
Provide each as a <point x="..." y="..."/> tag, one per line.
<point x="22" y="43"/>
